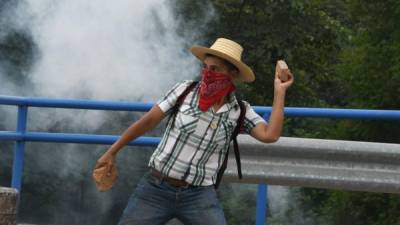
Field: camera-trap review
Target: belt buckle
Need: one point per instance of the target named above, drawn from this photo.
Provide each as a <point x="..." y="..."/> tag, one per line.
<point x="171" y="181"/>
<point x="177" y="183"/>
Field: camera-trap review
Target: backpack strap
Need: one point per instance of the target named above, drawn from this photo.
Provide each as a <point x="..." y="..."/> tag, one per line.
<point x="236" y="131"/>
<point x="180" y="100"/>
<point x="238" y="128"/>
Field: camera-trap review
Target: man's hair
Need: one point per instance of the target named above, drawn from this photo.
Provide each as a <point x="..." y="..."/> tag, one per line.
<point x="227" y="63"/>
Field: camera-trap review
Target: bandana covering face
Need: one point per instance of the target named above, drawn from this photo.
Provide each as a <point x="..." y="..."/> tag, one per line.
<point x="213" y="86"/>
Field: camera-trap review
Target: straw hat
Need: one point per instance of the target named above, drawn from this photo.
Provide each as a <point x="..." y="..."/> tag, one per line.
<point x="228" y="50"/>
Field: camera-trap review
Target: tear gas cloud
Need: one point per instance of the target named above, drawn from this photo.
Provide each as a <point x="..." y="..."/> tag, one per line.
<point x="112" y="50"/>
<point x="118" y="50"/>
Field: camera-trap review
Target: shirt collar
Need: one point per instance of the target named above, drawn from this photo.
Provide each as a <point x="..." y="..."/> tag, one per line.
<point x="231" y="103"/>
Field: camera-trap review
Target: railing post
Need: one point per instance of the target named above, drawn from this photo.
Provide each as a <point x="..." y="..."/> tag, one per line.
<point x="262" y="203"/>
<point x="19" y="149"/>
<point x="262" y="197"/>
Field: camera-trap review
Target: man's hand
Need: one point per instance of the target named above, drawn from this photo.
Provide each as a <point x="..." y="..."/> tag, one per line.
<point x="105" y="173"/>
<point x="108" y="158"/>
<point x="283" y="77"/>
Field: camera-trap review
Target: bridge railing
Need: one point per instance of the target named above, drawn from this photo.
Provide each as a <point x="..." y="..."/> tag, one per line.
<point x="22" y="135"/>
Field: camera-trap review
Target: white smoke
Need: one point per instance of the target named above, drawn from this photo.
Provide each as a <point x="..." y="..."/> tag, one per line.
<point x="285" y="206"/>
<point x="278" y="197"/>
<point x="106" y="49"/>
<point x="112" y="50"/>
<point x="94" y="49"/>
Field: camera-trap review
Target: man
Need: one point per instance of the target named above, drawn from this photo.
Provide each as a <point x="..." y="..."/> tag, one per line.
<point x="184" y="167"/>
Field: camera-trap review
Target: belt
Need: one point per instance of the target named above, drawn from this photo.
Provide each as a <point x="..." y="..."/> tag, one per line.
<point x="171" y="181"/>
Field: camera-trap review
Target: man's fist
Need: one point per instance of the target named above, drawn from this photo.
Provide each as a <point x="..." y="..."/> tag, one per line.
<point x="282" y="70"/>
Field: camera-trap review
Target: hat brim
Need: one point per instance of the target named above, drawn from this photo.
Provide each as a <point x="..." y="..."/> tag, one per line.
<point x="245" y="73"/>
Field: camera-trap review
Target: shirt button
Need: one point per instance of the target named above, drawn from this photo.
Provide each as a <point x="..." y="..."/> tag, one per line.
<point x="213" y="125"/>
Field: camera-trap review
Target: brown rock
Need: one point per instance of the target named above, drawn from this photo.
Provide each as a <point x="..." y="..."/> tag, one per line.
<point x="282" y="70"/>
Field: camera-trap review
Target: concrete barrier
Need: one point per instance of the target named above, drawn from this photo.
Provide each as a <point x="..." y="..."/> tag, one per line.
<point x="8" y="206"/>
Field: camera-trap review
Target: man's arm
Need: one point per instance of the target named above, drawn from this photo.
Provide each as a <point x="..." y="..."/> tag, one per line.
<point x="147" y="122"/>
<point x="271" y="132"/>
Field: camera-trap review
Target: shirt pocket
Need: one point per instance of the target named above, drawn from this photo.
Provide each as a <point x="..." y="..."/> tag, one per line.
<point x="186" y="119"/>
<point x="225" y="131"/>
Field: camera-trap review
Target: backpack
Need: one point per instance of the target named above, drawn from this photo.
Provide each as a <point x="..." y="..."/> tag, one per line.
<point x="239" y="125"/>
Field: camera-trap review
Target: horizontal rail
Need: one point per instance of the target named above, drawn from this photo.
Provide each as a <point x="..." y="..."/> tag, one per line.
<point x="319" y="163"/>
<point x="363" y="114"/>
<point x="75" y="103"/>
<point x="73" y="138"/>
<point x="142" y="107"/>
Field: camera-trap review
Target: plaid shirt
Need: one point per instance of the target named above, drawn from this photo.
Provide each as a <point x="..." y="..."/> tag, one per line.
<point x="193" y="149"/>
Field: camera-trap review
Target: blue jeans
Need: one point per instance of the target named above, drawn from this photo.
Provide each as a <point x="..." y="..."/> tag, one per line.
<point x="155" y="202"/>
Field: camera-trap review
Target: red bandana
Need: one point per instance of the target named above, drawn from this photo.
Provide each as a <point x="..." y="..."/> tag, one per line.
<point x="213" y="86"/>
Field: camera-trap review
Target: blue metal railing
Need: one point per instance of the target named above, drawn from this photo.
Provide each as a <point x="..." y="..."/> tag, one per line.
<point x="21" y="135"/>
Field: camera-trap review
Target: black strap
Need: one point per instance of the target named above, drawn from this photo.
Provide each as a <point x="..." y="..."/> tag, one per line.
<point x="180" y="100"/>
<point x="236" y="131"/>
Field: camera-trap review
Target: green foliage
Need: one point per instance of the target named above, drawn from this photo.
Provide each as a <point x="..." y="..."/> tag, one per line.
<point x="370" y="68"/>
<point x="351" y="208"/>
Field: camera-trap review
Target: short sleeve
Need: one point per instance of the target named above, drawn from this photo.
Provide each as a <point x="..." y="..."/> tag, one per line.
<point x="169" y="100"/>
<point x="251" y="119"/>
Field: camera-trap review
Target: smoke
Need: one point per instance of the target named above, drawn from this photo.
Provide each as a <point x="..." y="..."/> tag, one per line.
<point x="278" y="200"/>
<point x="112" y="50"/>
<point x="7" y="85"/>
<point x="106" y="49"/>
<point x="285" y="206"/>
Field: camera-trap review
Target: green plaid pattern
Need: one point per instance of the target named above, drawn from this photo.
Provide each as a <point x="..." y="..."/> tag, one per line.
<point x="193" y="149"/>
